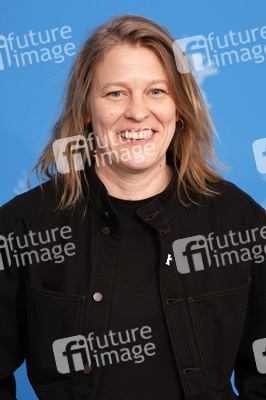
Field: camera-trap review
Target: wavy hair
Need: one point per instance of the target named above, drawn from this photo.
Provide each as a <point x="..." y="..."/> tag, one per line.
<point x="191" y="150"/>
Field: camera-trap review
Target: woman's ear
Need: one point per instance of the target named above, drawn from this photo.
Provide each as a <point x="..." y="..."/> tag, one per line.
<point x="177" y="116"/>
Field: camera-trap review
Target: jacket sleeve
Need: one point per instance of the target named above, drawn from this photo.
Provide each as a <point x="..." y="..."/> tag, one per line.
<point x="12" y="316"/>
<point x="250" y="383"/>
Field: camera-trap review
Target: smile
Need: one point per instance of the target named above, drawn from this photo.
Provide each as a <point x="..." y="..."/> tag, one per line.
<point x="145" y="134"/>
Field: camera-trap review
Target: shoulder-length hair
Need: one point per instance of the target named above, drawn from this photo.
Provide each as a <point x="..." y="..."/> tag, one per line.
<point x="191" y="150"/>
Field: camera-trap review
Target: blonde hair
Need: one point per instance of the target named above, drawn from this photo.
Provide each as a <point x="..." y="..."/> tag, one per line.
<point x="191" y="150"/>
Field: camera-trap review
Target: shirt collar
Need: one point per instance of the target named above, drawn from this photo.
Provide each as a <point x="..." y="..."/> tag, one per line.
<point x="156" y="212"/>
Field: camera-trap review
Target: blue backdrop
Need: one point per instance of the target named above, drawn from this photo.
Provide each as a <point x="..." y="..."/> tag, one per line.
<point x="38" y="41"/>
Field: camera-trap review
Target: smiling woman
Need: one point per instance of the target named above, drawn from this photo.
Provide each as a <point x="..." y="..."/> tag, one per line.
<point x="147" y="212"/>
<point x="144" y="109"/>
<point x="111" y="92"/>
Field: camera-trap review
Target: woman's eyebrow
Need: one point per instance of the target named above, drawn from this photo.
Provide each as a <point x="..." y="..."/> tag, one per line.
<point x="121" y="83"/>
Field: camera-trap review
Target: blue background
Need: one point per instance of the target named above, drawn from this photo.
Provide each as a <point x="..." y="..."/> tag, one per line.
<point x="235" y="93"/>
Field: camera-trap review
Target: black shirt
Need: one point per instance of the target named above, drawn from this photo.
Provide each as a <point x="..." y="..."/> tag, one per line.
<point x="135" y="303"/>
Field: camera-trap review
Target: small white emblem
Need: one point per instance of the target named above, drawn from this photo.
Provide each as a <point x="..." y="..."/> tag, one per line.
<point x="169" y="258"/>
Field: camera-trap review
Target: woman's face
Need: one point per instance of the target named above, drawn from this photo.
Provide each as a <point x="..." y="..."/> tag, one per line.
<point x="132" y="112"/>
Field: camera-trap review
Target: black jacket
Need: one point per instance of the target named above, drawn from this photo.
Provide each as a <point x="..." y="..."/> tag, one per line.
<point x="214" y="298"/>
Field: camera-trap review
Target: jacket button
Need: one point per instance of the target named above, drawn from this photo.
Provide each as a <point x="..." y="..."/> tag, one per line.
<point x="86" y="370"/>
<point x="105" y="230"/>
<point x="97" y="297"/>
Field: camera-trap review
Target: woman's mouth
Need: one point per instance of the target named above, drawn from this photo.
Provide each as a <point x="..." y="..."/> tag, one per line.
<point x="141" y="135"/>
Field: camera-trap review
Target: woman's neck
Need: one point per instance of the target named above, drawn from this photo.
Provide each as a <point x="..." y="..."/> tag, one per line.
<point x="135" y="185"/>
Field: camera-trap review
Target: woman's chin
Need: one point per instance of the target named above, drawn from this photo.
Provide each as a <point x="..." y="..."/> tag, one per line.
<point x="128" y="166"/>
<point x="137" y="165"/>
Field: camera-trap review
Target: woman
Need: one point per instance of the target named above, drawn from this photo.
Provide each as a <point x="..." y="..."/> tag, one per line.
<point x="136" y="271"/>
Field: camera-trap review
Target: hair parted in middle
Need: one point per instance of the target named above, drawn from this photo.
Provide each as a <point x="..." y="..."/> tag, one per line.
<point x="191" y="148"/>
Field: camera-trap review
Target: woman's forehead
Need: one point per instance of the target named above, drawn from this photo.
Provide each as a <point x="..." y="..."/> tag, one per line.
<point x="125" y="60"/>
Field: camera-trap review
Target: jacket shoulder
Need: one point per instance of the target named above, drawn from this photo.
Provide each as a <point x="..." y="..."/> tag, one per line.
<point x="230" y="192"/>
<point x="235" y="205"/>
<point x="35" y="201"/>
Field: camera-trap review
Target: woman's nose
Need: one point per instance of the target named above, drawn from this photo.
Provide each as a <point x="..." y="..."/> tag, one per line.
<point x="137" y="109"/>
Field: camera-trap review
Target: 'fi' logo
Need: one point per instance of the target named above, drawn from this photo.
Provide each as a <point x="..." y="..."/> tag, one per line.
<point x="191" y="253"/>
<point x="194" y="49"/>
<point x="71" y="354"/>
<point x="70" y="147"/>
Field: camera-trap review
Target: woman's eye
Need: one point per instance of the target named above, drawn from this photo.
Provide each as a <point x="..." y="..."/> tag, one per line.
<point x="157" y="91"/>
<point x="114" y="94"/>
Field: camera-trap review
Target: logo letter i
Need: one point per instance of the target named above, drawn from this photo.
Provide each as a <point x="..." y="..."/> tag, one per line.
<point x="4" y="45"/>
<point x="1" y="63"/>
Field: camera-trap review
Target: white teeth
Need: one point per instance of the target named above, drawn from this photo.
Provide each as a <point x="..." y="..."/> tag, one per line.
<point x="136" y="135"/>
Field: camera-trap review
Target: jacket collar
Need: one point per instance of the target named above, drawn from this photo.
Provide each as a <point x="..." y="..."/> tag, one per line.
<point x="156" y="213"/>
